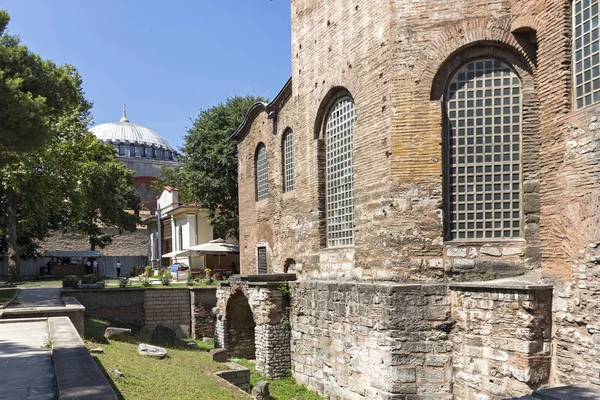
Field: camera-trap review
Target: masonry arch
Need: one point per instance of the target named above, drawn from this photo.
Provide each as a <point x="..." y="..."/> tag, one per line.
<point x="240" y="327"/>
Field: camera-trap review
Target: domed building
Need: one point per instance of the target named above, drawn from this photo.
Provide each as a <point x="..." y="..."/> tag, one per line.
<point x="142" y="150"/>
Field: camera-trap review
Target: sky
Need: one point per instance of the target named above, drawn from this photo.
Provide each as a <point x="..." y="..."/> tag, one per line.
<point x="166" y="60"/>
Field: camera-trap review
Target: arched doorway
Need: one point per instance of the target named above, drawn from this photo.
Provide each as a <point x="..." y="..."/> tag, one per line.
<point x="240" y="327"/>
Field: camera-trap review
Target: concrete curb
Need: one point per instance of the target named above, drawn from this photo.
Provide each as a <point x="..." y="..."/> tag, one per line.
<point x="77" y="374"/>
<point x="3" y="306"/>
<point x="72" y="309"/>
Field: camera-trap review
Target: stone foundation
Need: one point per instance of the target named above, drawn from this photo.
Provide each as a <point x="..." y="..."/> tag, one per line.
<point x="501" y="341"/>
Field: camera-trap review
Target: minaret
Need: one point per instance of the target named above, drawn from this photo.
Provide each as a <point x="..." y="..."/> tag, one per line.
<point x="124" y="119"/>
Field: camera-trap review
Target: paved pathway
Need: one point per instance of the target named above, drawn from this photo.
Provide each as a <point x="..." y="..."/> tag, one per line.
<point x="38" y="297"/>
<point x="26" y="367"/>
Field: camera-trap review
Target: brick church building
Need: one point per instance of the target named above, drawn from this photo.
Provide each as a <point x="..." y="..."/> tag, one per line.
<point x="431" y="174"/>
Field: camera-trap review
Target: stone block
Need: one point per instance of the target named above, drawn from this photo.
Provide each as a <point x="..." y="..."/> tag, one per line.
<point x="260" y="391"/>
<point x="219" y="355"/>
<point x="163" y="335"/>
<point x="114" y="333"/>
<point x="152" y="351"/>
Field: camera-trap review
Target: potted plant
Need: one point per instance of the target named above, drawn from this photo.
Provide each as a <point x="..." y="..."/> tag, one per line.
<point x="70" y="281"/>
<point x="148" y="270"/>
<point x="207" y="272"/>
<point x="135" y="270"/>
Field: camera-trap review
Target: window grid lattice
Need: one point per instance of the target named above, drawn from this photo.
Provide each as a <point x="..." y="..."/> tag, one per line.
<point x="339" y="180"/>
<point x="288" y="161"/>
<point x="262" y="185"/>
<point x="586" y="52"/>
<point x="262" y="260"/>
<point x="484" y="152"/>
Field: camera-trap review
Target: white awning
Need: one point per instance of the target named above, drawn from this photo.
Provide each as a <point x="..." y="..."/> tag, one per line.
<point x="178" y="253"/>
<point x="217" y="246"/>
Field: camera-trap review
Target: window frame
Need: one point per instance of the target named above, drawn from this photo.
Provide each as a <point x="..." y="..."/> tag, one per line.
<point x="287" y="161"/>
<point x="262" y="249"/>
<point x="346" y="234"/>
<point x="448" y="165"/>
<point x="593" y="54"/>
<point x="259" y="181"/>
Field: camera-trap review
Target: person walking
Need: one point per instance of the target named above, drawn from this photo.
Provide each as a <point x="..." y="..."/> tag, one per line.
<point x="95" y="266"/>
<point x="118" y="269"/>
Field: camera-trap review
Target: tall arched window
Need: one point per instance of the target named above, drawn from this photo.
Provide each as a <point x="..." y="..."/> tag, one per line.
<point x="262" y="175"/>
<point x="288" y="161"/>
<point x="132" y="150"/>
<point x="121" y="149"/>
<point x="143" y="191"/>
<point x="483" y="152"/>
<point x="338" y="174"/>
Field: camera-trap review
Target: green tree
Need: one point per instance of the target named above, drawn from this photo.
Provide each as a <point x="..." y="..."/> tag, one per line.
<point x="208" y="171"/>
<point x="54" y="174"/>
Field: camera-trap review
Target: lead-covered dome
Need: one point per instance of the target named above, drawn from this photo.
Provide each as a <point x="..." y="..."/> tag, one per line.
<point x="133" y="140"/>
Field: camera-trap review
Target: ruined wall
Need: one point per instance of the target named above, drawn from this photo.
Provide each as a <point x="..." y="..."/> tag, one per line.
<point x="125" y="305"/>
<point x="379" y="341"/>
<point x="167" y="307"/>
<point x="501" y="341"/>
<point x="264" y="334"/>
<point x="202" y="301"/>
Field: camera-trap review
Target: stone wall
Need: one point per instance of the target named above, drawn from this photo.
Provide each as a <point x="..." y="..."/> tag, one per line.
<point x="167" y="307"/>
<point x="202" y="301"/>
<point x="377" y="341"/>
<point x="145" y="308"/>
<point x="501" y="341"/>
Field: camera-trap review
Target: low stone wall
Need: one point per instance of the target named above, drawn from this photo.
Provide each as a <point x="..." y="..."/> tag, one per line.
<point x="236" y="375"/>
<point x="167" y="307"/>
<point x="72" y="309"/>
<point x="501" y="341"/>
<point x="145" y="308"/>
<point x="125" y="305"/>
<point x="375" y="341"/>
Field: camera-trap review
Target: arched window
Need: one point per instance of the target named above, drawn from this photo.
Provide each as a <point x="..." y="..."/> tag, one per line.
<point x="132" y="150"/>
<point x="143" y="191"/>
<point x="483" y="152"/>
<point x="586" y="52"/>
<point x="262" y="173"/>
<point x="121" y="149"/>
<point x="151" y="152"/>
<point x="288" y="161"/>
<point x="338" y="174"/>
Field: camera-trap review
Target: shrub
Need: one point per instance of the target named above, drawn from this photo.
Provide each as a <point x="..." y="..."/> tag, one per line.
<point x="89" y="278"/>
<point x="135" y="270"/>
<point x="165" y="279"/>
<point x="190" y="279"/>
<point x="124" y="282"/>
<point x="71" y="278"/>
<point x="145" y="281"/>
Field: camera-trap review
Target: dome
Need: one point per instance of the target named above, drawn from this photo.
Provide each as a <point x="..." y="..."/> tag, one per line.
<point x="128" y="133"/>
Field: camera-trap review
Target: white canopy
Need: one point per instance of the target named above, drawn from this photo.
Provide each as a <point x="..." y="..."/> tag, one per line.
<point x="217" y="246"/>
<point x="178" y="253"/>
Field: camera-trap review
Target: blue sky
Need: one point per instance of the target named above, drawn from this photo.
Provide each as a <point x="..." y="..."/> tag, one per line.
<point x="165" y="60"/>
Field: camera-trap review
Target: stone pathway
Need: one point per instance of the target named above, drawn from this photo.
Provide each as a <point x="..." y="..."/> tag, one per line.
<point x="38" y="297"/>
<point x="26" y="366"/>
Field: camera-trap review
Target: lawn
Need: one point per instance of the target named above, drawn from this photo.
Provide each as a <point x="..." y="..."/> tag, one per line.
<point x="6" y="295"/>
<point x="188" y="373"/>
<point x="280" y="389"/>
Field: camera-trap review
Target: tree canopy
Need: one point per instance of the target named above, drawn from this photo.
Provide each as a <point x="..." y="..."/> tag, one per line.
<point x="209" y="163"/>
<point x="55" y="174"/>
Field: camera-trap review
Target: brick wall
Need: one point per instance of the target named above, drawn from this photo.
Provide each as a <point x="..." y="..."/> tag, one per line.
<point x="146" y="308"/>
<point x="167" y="307"/>
<point x="501" y="341"/>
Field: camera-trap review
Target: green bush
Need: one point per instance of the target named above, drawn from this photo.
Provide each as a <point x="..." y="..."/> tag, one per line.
<point x="145" y="281"/>
<point x="190" y="279"/>
<point x="124" y="282"/>
<point x="71" y="278"/>
<point x="165" y="280"/>
<point x="89" y="278"/>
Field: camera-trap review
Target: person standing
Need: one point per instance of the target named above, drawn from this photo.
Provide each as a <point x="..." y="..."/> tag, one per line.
<point x="88" y="267"/>
<point x="118" y="269"/>
<point x="95" y="266"/>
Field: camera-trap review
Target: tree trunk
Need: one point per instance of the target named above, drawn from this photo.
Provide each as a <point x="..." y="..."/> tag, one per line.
<point x="14" y="261"/>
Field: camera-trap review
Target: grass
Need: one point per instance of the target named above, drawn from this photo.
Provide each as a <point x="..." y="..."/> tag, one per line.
<point x="187" y="373"/>
<point x="6" y="295"/>
<point x="280" y="389"/>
